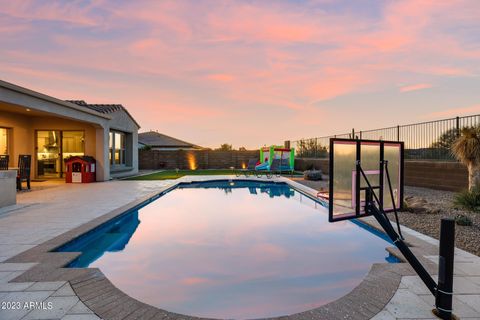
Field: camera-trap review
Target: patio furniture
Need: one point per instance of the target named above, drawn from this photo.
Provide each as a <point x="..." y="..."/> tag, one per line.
<point x="4" y="161"/>
<point x="249" y="169"/>
<point x="23" y="173"/>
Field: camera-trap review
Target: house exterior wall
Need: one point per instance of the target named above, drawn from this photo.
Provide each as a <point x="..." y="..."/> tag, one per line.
<point x="55" y="114"/>
<point x="20" y="135"/>
<point x="121" y="121"/>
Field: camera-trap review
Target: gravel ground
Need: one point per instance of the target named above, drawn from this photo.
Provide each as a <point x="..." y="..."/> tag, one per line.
<point x="466" y="237"/>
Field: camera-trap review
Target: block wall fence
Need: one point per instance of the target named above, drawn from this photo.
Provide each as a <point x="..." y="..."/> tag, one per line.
<point x="194" y="159"/>
<point x="448" y="175"/>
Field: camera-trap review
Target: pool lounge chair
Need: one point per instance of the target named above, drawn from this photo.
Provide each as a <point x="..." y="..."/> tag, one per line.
<point x="280" y="166"/>
<point x="250" y="169"/>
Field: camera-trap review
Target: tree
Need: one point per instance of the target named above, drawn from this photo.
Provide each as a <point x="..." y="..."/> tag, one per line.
<point x="446" y="139"/>
<point x="225" y="147"/>
<point x="466" y="149"/>
<point x="242" y="149"/>
<point x="310" y="148"/>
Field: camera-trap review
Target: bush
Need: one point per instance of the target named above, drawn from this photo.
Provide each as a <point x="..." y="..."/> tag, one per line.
<point x="468" y="199"/>
<point x="462" y="220"/>
<point x="314" y="175"/>
<point x="146" y="148"/>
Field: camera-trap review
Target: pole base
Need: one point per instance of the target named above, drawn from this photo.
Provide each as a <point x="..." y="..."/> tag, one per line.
<point x="437" y="314"/>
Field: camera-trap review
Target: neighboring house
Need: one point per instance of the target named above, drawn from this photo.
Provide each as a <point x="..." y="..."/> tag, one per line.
<point x="159" y="141"/>
<point x="51" y="130"/>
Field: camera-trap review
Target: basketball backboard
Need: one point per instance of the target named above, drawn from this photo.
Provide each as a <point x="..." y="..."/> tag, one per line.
<point x="348" y="158"/>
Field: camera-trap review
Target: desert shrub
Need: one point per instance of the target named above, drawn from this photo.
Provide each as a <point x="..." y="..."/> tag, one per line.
<point x="468" y="199"/>
<point x="314" y="175"/>
<point x="463" y="220"/>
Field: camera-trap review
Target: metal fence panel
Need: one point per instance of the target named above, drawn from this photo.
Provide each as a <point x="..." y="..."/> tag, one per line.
<point x="423" y="141"/>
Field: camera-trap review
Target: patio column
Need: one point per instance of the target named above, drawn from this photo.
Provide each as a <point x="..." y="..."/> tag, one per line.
<point x="103" y="163"/>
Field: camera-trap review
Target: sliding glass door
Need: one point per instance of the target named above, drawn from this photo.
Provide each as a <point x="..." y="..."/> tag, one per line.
<point x="53" y="147"/>
<point x="48" y="154"/>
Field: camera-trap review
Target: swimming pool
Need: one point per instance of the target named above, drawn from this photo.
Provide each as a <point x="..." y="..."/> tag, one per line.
<point x="231" y="249"/>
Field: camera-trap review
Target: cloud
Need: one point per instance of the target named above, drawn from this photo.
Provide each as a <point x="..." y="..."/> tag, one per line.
<point x="453" y="112"/>
<point x="415" y="87"/>
<point x="224" y="61"/>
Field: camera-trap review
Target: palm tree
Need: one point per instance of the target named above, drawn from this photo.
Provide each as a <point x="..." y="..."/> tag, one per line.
<point x="466" y="149"/>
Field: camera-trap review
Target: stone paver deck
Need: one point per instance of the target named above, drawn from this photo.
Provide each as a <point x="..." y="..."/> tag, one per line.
<point x="42" y="215"/>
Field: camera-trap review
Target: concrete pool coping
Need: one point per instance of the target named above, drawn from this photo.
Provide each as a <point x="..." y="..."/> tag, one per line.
<point x="365" y="301"/>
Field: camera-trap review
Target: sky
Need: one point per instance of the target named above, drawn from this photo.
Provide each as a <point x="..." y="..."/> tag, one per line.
<point x="250" y="72"/>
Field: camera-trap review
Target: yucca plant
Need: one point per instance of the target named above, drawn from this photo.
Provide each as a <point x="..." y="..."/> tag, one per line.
<point x="466" y="149"/>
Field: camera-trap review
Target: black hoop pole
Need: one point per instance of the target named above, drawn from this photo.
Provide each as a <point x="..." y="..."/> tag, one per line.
<point x="382" y="219"/>
<point x="393" y="199"/>
<point x="443" y="299"/>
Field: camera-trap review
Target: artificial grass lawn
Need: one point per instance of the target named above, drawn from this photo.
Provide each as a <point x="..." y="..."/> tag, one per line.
<point x="172" y="174"/>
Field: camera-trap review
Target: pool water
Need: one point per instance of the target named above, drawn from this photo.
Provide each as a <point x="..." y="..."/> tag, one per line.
<point x="232" y="249"/>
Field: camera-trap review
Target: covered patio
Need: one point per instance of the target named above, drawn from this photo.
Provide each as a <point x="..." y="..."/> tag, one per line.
<point x="50" y="130"/>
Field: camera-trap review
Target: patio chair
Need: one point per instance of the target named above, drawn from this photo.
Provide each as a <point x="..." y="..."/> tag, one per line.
<point x="249" y="169"/>
<point x="280" y="166"/>
<point x="4" y="161"/>
<point x="23" y="173"/>
<point x="276" y="167"/>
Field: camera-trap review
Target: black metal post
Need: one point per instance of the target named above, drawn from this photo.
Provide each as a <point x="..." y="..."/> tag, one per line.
<point x="382" y="219"/>
<point x="404" y="249"/>
<point x="443" y="299"/>
<point x="457" y="126"/>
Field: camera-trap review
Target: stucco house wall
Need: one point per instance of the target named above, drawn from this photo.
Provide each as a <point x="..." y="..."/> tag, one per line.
<point x="24" y="111"/>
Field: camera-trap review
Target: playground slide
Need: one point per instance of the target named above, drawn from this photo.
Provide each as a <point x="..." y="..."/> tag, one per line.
<point x="263" y="166"/>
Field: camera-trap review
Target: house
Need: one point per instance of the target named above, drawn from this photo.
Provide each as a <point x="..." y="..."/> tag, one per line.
<point x="159" y="141"/>
<point x="52" y="130"/>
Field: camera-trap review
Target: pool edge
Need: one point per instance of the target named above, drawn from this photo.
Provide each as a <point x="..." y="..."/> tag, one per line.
<point x="95" y="290"/>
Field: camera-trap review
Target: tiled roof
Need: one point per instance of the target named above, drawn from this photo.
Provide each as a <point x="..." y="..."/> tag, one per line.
<point x="156" y="139"/>
<point x="102" y="108"/>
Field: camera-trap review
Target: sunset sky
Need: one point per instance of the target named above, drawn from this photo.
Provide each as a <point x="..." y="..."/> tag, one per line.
<point x="250" y="72"/>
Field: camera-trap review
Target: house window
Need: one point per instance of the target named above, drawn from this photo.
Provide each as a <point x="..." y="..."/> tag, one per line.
<point x="3" y="141"/>
<point x="117" y="148"/>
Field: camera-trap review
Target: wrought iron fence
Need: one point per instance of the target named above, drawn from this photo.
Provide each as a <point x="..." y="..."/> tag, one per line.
<point x="423" y="141"/>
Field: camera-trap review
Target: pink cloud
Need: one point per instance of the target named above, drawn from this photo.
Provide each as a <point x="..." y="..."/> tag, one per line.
<point x="415" y="87"/>
<point x="222" y="62"/>
<point x="453" y="112"/>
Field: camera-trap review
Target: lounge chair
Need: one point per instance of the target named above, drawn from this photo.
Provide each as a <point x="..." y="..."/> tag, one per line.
<point x="280" y="166"/>
<point x="4" y="161"/>
<point x="249" y="169"/>
<point x="23" y="173"/>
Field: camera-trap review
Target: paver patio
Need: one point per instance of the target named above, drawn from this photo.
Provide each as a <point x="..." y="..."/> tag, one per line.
<point x="46" y="213"/>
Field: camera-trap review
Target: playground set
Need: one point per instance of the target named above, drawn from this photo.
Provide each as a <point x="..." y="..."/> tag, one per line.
<point x="272" y="160"/>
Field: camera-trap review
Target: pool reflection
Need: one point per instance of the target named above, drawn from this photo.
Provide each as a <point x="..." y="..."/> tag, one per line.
<point x="232" y="251"/>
